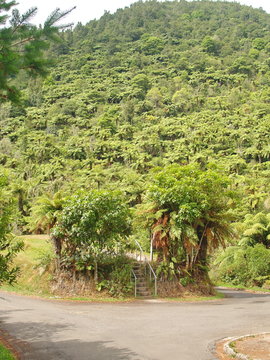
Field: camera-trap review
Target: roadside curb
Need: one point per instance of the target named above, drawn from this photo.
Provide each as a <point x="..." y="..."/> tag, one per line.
<point x="15" y="346"/>
<point x="229" y="350"/>
<point x="5" y="340"/>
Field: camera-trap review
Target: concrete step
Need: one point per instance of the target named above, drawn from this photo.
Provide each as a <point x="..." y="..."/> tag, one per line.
<point x="139" y="271"/>
<point x="139" y="274"/>
<point x="136" y="266"/>
<point x="145" y="295"/>
<point x="142" y="285"/>
<point x="143" y="288"/>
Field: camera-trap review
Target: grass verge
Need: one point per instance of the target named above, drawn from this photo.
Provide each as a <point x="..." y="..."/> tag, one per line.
<point x="5" y="354"/>
<point x="32" y="261"/>
<point x="191" y="298"/>
<point x="34" y="279"/>
<point x="245" y="288"/>
<point x="95" y="299"/>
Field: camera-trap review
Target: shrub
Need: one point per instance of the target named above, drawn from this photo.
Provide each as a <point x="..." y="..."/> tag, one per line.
<point x="115" y="273"/>
<point x="244" y="265"/>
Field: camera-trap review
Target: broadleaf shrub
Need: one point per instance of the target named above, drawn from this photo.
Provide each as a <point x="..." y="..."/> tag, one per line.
<point x="244" y="265"/>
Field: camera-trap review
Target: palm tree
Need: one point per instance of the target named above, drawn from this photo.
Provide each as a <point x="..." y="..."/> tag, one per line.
<point x="188" y="210"/>
<point x="256" y="230"/>
<point x="44" y="216"/>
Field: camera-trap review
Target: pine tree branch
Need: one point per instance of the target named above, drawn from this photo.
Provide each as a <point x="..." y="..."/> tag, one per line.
<point x="56" y="16"/>
<point x="18" y="20"/>
<point x="23" y="41"/>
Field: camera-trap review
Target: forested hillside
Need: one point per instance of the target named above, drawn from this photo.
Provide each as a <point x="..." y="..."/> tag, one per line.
<point x="155" y="84"/>
<point x="150" y="85"/>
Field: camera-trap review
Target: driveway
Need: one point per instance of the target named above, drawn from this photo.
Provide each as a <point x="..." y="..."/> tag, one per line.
<point x="145" y="330"/>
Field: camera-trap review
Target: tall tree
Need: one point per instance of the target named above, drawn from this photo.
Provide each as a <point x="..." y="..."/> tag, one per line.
<point x="188" y="210"/>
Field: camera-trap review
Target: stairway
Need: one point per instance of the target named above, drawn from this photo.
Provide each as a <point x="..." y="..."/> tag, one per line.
<point x="142" y="286"/>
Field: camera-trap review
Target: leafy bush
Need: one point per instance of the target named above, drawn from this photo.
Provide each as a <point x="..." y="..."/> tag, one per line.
<point x="266" y="284"/>
<point x="92" y="225"/>
<point x="45" y="259"/>
<point x="244" y="265"/>
<point x="115" y="272"/>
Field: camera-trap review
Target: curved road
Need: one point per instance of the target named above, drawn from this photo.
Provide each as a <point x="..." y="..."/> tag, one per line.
<point x="145" y="330"/>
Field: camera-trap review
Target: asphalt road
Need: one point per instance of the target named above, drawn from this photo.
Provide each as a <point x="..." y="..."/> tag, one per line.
<point x="145" y="330"/>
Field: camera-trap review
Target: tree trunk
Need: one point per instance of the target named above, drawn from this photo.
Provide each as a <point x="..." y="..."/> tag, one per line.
<point x="20" y="203"/>
<point x="202" y="254"/>
<point x="96" y="271"/>
<point x="201" y="260"/>
<point x="57" y="243"/>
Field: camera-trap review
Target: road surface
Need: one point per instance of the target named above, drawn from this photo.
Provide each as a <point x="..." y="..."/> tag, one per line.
<point x="145" y="330"/>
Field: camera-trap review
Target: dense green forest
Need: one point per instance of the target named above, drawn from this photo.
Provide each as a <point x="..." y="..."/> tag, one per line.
<point x="153" y="85"/>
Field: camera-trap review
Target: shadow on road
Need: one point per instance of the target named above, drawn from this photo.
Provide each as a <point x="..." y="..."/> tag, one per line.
<point x="38" y="340"/>
<point x="230" y="293"/>
<point x="79" y="350"/>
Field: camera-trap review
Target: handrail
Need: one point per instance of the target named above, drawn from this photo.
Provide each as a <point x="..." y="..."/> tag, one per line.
<point x="149" y="265"/>
<point x="141" y="250"/>
<point x="155" y="276"/>
<point x="135" y="285"/>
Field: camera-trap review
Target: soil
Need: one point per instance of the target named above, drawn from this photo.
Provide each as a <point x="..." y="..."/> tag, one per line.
<point x="255" y="347"/>
<point x="220" y="352"/>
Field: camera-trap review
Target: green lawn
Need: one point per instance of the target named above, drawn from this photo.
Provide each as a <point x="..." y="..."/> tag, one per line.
<point x="5" y="354"/>
<point x="33" y="279"/>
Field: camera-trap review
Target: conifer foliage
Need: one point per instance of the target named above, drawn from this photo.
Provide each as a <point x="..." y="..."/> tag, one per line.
<point x="22" y="46"/>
